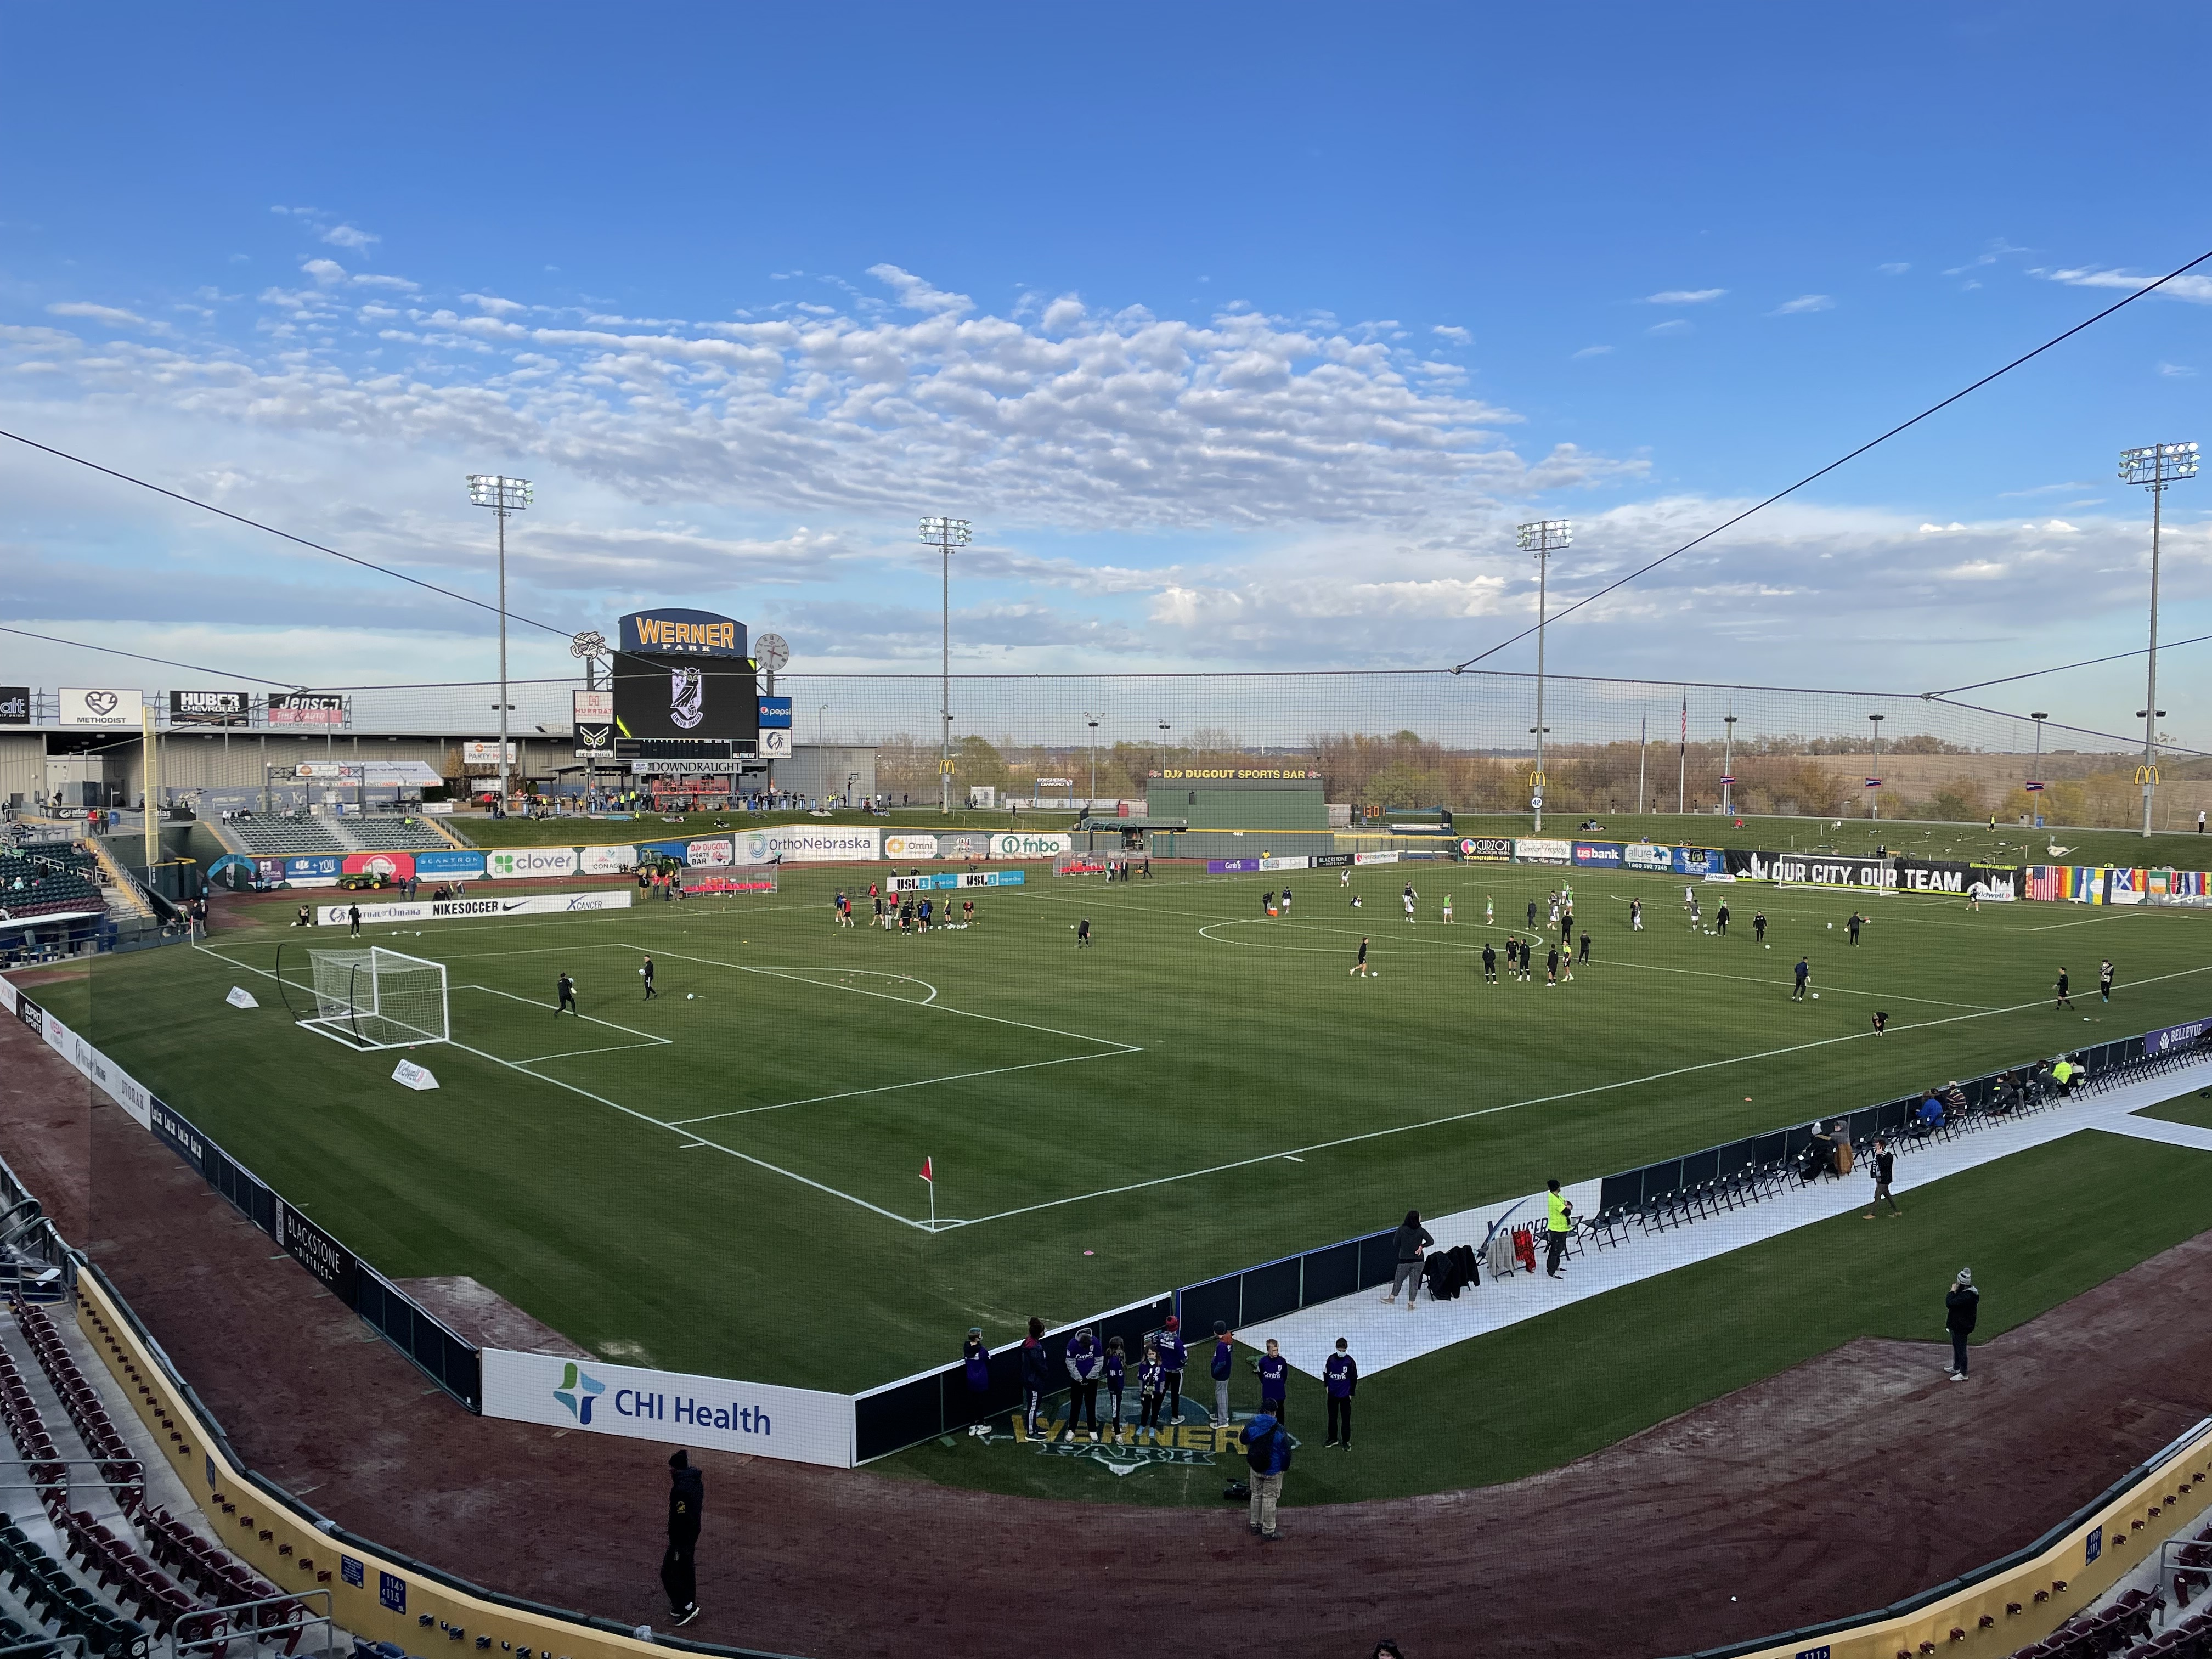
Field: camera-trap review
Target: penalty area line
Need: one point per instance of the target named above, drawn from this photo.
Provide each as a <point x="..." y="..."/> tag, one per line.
<point x="918" y="1083"/>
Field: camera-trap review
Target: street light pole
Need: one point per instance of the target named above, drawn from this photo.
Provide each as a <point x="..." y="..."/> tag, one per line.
<point x="2035" y="783"/>
<point x="944" y="535"/>
<point x="1874" y="781"/>
<point x="1093" y="720"/>
<point x="2155" y="467"/>
<point x="503" y="495"/>
<point x="1728" y="766"/>
<point x="1543" y="537"/>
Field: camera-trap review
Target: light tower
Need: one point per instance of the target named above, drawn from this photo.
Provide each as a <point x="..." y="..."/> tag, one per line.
<point x="944" y="535"/>
<point x="503" y="495"/>
<point x="1874" y="783"/>
<point x="2155" y="467"/>
<point x="1543" y="537"/>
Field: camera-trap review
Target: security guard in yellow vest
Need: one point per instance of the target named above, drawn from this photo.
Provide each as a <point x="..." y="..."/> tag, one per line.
<point x="1559" y="1221"/>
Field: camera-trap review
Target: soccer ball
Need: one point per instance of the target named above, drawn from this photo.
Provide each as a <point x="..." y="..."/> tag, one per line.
<point x="687" y="996"/>
<point x="1832" y="926"/>
<point x="1816" y="996"/>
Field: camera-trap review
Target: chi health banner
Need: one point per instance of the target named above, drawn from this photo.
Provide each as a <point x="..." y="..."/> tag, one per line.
<point x="801" y="1425"/>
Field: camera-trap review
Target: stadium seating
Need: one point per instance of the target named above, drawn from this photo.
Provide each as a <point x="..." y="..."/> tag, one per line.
<point x="394" y="835"/>
<point x="52" y="1596"/>
<point x="2192" y="1568"/>
<point x="286" y="837"/>
<point x="54" y="880"/>
<point x="2123" y="1627"/>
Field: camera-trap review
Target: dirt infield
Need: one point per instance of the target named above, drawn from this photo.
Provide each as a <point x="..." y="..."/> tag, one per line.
<point x="1835" y="1487"/>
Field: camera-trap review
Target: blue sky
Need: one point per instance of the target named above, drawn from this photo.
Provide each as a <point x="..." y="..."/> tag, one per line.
<point x="1244" y="335"/>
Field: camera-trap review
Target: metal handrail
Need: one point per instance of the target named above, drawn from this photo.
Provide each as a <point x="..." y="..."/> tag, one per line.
<point x="251" y="1628"/>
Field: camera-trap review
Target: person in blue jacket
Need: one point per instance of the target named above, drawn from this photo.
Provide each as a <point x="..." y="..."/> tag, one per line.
<point x="1267" y="1451"/>
<point x="1036" y="1375"/>
<point x="1340" y="1374"/>
<point x="1084" y="1362"/>
<point x="975" y="1367"/>
<point x="1274" y="1382"/>
<point x="1117" y="1367"/>
<point x="1224" y="1360"/>
<point x="1174" y="1355"/>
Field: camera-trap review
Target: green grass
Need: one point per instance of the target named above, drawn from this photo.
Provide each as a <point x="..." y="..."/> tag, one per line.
<point x="2036" y="1228"/>
<point x="1165" y="1074"/>
<point x="2191" y="1108"/>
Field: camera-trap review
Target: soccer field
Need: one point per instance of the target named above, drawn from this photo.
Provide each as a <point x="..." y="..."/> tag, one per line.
<point x="725" y="1179"/>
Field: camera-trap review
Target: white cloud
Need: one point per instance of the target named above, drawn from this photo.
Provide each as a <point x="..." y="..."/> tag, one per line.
<point x="326" y="271"/>
<point x="1591" y="352"/>
<point x="1997" y="249"/>
<point x="1672" y="326"/>
<point x="113" y="316"/>
<point x="2177" y="371"/>
<point x="1802" y="303"/>
<point x="349" y="236"/>
<point x="2191" y="287"/>
<point x="1683" y="296"/>
<point x="916" y="294"/>
<point x="1895" y="268"/>
<point x="492" y="305"/>
<point x="1449" y="331"/>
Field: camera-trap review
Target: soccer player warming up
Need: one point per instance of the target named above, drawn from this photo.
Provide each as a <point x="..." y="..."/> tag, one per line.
<point x="1360" y="966"/>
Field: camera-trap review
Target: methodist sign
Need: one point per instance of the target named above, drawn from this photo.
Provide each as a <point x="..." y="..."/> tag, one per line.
<point x="105" y="707"/>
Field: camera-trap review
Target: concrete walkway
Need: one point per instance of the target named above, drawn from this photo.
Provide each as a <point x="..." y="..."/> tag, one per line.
<point x="1383" y="1336"/>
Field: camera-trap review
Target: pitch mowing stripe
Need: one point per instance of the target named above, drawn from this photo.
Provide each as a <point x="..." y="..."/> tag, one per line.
<point x="918" y="1083"/>
<point x="690" y="1140"/>
<point x="1487" y="1111"/>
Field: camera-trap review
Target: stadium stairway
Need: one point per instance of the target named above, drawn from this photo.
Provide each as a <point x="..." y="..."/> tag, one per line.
<point x="99" y="1539"/>
<point x="125" y="900"/>
<point x="1383" y="1336"/>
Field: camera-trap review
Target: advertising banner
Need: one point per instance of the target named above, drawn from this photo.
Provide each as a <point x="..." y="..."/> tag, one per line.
<point x="449" y="861"/>
<point x="211" y="708"/>
<point x="799" y="1425"/>
<point x="306" y="708"/>
<point x="909" y="846"/>
<point x="125" y="1089"/>
<point x="105" y="707"/>
<point x="175" y="1131"/>
<point x="1231" y="866"/>
<point x="2174" y="1037"/>
<point x="486" y="754"/>
<point x="809" y="844"/>
<point x="465" y="909"/>
<point x="519" y="863"/>
<point x="15" y="705"/>
<point x="708" y="854"/>
<point x="1338" y="861"/>
<point x="1700" y="861"/>
<point x="591" y="719"/>
<point x="775" y="714"/>
<point x="317" y="1252"/>
<point x="392" y="866"/>
<point x="606" y="860"/>
<point x="1029" y="847"/>
<point x="1487" y="849"/>
<point x="1286" y="864"/>
<point x="1805" y="870"/>
<point x="1375" y="858"/>
<point x="1544" y="852"/>
<point x="8" y="995"/>
<point x="954" y="846"/>
<point x="1643" y="855"/>
<point x="776" y="744"/>
<point x="314" y="866"/>
<point x="1599" y="855"/>
<point x="1997" y="882"/>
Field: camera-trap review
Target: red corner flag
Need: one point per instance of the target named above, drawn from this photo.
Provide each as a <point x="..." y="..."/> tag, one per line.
<point x="925" y="1174"/>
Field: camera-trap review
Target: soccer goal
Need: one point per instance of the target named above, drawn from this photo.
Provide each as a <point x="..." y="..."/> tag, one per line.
<point x="378" y="998"/>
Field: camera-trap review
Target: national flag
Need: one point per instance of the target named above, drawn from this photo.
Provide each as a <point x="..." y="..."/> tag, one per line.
<point x="927" y="1174"/>
<point x="2035" y="786"/>
<point x="1727" y="780"/>
<point x="1874" y="783"/>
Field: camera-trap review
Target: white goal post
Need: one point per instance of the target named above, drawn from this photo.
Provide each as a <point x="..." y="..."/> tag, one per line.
<point x="378" y="998"/>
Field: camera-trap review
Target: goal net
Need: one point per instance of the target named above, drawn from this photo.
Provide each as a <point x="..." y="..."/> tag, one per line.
<point x="378" y="998"/>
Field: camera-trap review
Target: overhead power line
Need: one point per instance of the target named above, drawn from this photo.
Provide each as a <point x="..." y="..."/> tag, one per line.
<point x="166" y="662"/>
<point x="270" y="529"/>
<point x="1760" y="506"/>
<point x="2087" y="662"/>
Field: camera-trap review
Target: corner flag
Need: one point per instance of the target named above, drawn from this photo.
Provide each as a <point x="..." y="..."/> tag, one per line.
<point x="925" y="1174"/>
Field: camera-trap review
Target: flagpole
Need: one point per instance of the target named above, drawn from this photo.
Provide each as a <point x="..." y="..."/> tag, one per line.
<point x="933" y="1207"/>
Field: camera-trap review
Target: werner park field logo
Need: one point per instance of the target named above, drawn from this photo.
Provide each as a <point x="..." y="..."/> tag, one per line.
<point x="577" y="1390"/>
<point x="1193" y="1442"/>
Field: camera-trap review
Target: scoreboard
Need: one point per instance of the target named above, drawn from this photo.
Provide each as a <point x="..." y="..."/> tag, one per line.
<point x="683" y="677"/>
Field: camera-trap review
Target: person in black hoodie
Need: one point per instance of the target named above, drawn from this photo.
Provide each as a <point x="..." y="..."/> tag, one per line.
<point x="679" y="1568"/>
<point x="1960" y="1307"/>
<point x="1036" y="1375"/>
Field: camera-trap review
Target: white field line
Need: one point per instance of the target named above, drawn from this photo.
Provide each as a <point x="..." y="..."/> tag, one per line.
<point x="1429" y="940"/>
<point x="571" y="1054"/>
<point x="1539" y="1100"/>
<point x="689" y="1140"/>
<point x="918" y="1083"/>
<point x="591" y="1018"/>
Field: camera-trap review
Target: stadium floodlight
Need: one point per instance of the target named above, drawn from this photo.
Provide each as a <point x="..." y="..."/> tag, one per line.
<point x="1092" y="720"/>
<point x="944" y="535"/>
<point x="2155" y="467"/>
<point x="1874" y="779"/>
<point x="1728" y="766"/>
<point x="503" y="495"/>
<point x="1543" y="537"/>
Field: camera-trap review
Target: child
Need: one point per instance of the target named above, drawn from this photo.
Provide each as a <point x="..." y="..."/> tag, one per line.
<point x="1150" y="1379"/>
<point x="1341" y="1375"/>
<point x="1116" y="1367"/>
<point x="1274" y="1382"/>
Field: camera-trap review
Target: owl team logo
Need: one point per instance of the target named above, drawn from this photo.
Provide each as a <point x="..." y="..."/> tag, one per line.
<point x="687" y="698"/>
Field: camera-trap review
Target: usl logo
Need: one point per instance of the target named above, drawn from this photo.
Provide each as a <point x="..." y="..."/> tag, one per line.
<point x="577" y="1391"/>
